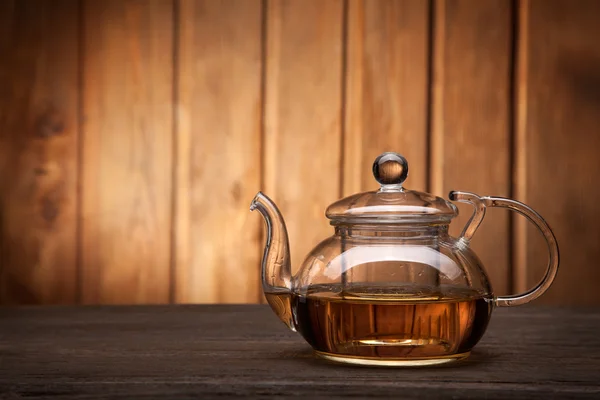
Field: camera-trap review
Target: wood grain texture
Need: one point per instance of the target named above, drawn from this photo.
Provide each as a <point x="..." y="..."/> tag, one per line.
<point x="209" y="351"/>
<point x="471" y="142"/>
<point x="134" y="133"/>
<point x="218" y="156"/>
<point x="303" y="116"/>
<point x="386" y="89"/>
<point x="559" y="143"/>
<point x="38" y="151"/>
<point x="127" y="151"/>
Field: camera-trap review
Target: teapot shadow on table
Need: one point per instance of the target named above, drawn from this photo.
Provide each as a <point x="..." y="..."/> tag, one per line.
<point x="391" y="287"/>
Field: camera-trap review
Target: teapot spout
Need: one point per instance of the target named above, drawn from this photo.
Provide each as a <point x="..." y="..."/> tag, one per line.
<point x="276" y="269"/>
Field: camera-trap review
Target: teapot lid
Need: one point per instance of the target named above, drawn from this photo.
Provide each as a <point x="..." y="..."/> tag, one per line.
<point x="392" y="203"/>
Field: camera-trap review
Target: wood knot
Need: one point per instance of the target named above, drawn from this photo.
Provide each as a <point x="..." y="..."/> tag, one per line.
<point x="581" y="71"/>
<point x="49" y="209"/>
<point x="236" y="191"/>
<point x="40" y="171"/>
<point x="50" y="123"/>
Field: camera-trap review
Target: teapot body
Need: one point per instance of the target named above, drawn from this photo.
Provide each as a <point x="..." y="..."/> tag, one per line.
<point x="395" y="295"/>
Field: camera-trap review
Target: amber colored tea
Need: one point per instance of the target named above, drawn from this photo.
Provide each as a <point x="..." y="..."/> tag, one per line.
<point x="280" y="303"/>
<point x="388" y="322"/>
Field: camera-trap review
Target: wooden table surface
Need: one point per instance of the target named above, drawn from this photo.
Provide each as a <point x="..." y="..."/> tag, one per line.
<point x="219" y="350"/>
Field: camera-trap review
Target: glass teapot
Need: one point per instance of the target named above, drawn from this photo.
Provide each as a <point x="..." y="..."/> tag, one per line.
<point x="391" y="286"/>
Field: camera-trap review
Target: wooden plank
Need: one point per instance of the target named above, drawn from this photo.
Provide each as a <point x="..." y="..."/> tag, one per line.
<point x="386" y="89"/>
<point x="244" y="350"/>
<point x="127" y="151"/>
<point x="38" y="151"/>
<point x="218" y="153"/>
<point x="558" y="144"/>
<point x="303" y="116"/>
<point x="471" y="142"/>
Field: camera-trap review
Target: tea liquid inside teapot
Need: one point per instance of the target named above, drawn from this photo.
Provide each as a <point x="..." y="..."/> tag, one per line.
<point x="389" y="322"/>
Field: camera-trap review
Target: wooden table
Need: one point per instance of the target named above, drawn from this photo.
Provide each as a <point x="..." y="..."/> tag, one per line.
<point x="208" y="351"/>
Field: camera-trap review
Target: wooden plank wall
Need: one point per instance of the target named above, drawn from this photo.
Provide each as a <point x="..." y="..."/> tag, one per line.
<point x="134" y="133"/>
<point x="218" y="158"/>
<point x="39" y="142"/>
<point x="558" y="143"/>
<point x="126" y="157"/>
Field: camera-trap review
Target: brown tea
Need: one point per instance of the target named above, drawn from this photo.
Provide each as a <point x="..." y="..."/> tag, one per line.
<point x="391" y="323"/>
<point x="280" y="303"/>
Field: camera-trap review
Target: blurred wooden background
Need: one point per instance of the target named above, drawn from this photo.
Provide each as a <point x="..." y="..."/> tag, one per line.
<point x="133" y="135"/>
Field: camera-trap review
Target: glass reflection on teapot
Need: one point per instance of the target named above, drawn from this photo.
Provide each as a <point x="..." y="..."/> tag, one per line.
<point x="391" y="287"/>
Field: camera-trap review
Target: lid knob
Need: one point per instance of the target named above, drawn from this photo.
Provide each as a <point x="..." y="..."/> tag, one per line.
<point x="390" y="170"/>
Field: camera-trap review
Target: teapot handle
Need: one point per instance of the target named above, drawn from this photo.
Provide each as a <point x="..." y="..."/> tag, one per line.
<point x="480" y="204"/>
